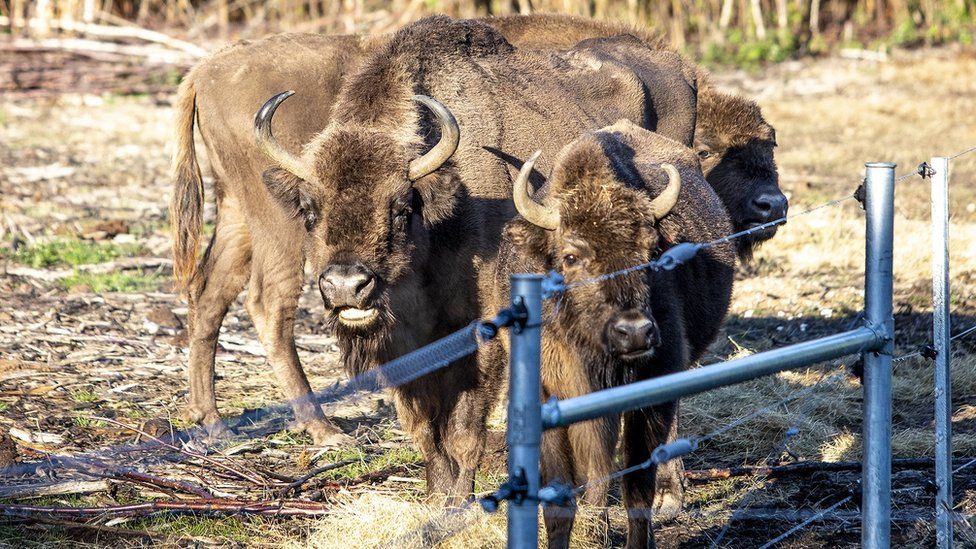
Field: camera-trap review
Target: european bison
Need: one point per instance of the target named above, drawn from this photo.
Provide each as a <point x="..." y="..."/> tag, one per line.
<point x="396" y="236"/>
<point x="613" y="201"/>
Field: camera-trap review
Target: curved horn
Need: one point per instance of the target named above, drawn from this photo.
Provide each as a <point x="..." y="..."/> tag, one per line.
<point x="267" y="142"/>
<point x="665" y="201"/>
<point x="450" y="137"/>
<point x="533" y="212"/>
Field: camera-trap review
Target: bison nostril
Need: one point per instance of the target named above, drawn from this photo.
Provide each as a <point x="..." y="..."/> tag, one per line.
<point x="363" y="284"/>
<point x="770" y="205"/>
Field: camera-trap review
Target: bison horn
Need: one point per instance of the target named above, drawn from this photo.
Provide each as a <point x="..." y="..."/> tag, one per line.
<point x="267" y="142"/>
<point x="665" y="201"/>
<point x="450" y="137"/>
<point x="533" y="212"/>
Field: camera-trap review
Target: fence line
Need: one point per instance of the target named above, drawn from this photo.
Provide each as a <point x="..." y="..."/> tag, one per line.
<point x="466" y="341"/>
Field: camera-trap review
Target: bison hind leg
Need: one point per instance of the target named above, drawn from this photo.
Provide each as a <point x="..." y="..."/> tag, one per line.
<point x="220" y="278"/>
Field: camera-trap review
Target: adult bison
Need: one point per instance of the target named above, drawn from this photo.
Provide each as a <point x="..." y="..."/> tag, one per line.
<point x="396" y="236"/>
<point x="615" y="199"/>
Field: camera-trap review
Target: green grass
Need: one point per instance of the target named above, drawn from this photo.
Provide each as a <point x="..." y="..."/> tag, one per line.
<point x="113" y="282"/>
<point x="88" y="423"/>
<point x="392" y="458"/>
<point x="218" y="530"/>
<point x="4" y="406"/>
<point x="84" y="395"/>
<point x="63" y="252"/>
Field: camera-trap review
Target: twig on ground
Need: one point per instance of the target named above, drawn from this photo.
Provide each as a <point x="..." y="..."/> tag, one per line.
<point x="284" y="508"/>
<point x="242" y="474"/>
<point x="297" y="484"/>
<point x="71" y="487"/>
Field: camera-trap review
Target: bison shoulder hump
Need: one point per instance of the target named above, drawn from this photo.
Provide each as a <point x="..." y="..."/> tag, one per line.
<point x="441" y="35"/>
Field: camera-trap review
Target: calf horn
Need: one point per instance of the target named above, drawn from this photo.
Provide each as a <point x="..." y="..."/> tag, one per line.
<point x="267" y="142"/>
<point x="450" y="137"/>
<point x="665" y="201"/>
<point x="538" y="214"/>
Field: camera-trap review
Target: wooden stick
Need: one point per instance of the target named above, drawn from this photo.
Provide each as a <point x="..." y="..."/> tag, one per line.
<point x="81" y="46"/>
<point x="71" y="487"/>
<point x="106" y="31"/>
<point x="222" y="506"/>
<point x="248" y="476"/>
<point x="318" y="471"/>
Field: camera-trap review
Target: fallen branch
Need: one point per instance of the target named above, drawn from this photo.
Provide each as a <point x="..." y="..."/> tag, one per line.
<point x="106" y="31"/>
<point x="241" y="474"/>
<point x="72" y="487"/>
<point x="84" y="46"/>
<point x="318" y="471"/>
<point x="152" y="481"/>
<point x="283" y="508"/>
<point x="86" y="526"/>
<point x="801" y="468"/>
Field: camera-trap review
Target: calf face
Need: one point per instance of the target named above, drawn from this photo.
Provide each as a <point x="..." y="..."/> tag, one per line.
<point x="366" y="197"/>
<point x="735" y="145"/>
<point x="587" y="228"/>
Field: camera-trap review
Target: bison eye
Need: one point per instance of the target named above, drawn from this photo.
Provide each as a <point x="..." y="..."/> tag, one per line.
<point x="400" y="221"/>
<point x="310" y="218"/>
<point x="703" y="154"/>
<point x="569" y="260"/>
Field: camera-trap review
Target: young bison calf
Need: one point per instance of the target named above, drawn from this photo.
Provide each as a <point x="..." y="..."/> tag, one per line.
<point x="616" y="198"/>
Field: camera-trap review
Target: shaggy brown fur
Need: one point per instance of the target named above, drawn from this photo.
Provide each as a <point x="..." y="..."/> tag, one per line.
<point x="602" y="185"/>
<point x="423" y="241"/>
<point x="225" y="90"/>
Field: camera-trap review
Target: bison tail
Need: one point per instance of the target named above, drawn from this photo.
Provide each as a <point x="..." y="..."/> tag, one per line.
<point x="186" y="206"/>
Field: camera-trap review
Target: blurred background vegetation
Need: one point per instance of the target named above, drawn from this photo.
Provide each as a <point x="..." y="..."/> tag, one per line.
<point x="715" y="31"/>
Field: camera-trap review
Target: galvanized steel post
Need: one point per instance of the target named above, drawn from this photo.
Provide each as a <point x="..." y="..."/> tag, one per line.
<point x="876" y="473"/>
<point x="524" y="411"/>
<point x="943" y="356"/>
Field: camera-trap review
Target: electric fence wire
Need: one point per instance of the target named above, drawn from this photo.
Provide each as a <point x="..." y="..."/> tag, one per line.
<point x="788" y="435"/>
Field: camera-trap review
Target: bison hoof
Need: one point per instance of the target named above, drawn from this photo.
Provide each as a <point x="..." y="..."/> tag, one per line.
<point x="668" y="503"/>
<point x="210" y="421"/>
<point x="326" y="434"/>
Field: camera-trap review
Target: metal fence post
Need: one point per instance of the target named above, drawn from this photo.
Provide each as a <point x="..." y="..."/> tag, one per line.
<point x="524" y="411"/>
<point x="940" y="339"/>
<point x="876" y="473"/>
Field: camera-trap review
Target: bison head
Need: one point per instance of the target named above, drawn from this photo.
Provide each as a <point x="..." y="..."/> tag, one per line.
<point x="735" y="145"/>
<point x="591" y="224"/>
<point x="366" y="197"/>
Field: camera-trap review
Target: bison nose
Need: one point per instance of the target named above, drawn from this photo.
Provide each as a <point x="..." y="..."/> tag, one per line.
<point x="346" y="285"/>
<point x="770" y="206"/>
<point x="632" y="333"/>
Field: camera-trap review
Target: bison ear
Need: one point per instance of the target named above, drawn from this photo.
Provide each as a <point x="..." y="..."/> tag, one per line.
<point x="287" y="189"/>
<point x="529" y="241"/>
<point x="438" y="195"/>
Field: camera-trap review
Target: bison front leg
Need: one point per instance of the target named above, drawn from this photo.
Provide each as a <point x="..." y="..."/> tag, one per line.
<point x="272" y="301"/>
<point x="644" y="430"/>
<point x="419" y="418"/>
<point x="557" y="466"/>
<point x="593" y="443"/>
<point x="467" y="431"/>
<point x="669" y="482"/>
<point x="217" y="282"/>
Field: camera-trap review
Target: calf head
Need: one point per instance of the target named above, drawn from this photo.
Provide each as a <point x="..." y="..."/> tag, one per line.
<point x="588" y="225"/>
<point x="367" y="197"/>
<point x="735" y="145"/>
